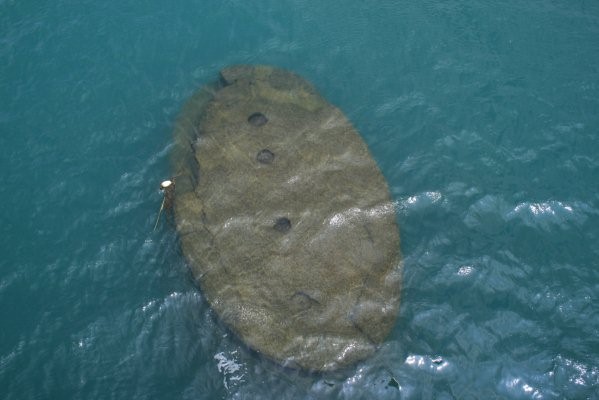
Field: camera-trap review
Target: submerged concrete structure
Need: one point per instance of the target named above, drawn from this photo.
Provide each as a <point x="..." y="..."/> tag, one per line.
<point x="286" y="220"/>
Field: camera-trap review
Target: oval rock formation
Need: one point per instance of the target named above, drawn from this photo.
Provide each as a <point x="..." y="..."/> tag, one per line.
<point x="286" y="220"/>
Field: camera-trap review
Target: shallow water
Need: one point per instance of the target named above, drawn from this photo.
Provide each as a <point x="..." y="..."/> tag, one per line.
<point x="483" y="118"/>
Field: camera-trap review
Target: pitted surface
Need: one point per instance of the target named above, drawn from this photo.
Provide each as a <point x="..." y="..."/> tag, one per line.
<point x="286" y="220"/>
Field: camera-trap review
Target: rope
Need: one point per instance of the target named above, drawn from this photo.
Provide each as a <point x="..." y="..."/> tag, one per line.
<point x="159" y="212"/>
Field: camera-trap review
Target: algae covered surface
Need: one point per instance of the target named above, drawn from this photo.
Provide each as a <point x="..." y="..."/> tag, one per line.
<point x="286" y="220"/>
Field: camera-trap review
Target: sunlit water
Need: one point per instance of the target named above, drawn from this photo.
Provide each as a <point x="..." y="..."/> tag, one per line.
<point x="483" y="116"/>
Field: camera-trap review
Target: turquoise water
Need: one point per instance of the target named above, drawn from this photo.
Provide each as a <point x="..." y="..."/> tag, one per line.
<point x="484" y="118"/>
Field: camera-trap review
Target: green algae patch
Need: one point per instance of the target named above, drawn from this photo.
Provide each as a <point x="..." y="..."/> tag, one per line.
<point x="286" y="220"/>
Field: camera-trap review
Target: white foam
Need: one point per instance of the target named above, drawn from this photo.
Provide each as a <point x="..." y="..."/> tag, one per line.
<point x="228" y="367"/>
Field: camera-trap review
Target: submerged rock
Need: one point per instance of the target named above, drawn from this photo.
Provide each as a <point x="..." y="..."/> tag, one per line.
<point x="286" y="220"/>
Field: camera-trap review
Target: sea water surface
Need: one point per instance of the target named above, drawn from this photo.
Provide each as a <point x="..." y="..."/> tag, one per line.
<point x="483" y="117"/>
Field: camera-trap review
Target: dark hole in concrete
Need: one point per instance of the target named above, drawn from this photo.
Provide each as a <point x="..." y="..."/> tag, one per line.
<point x="257" y="119"/>
<point x="282" y="225"/>
<point x="265" y="156"/>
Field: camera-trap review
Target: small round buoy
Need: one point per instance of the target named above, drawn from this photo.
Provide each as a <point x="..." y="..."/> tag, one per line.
<point x="167" y="187"/>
